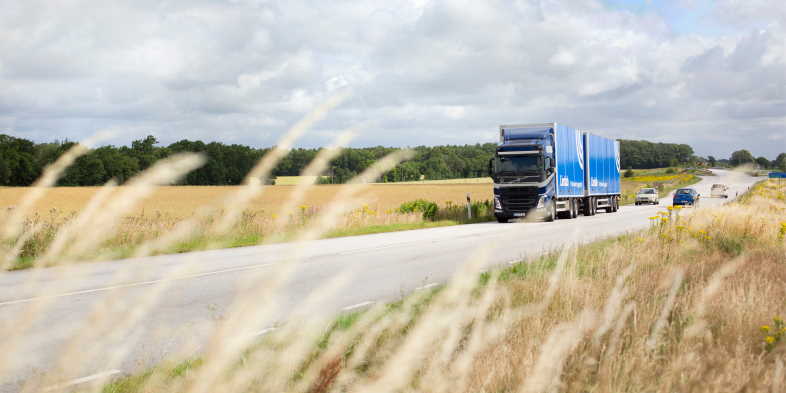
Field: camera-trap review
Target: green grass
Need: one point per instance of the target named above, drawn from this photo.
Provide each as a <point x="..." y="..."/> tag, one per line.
<point x="389" y="228"/>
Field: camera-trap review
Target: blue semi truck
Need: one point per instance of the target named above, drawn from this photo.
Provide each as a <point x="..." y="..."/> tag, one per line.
<point x="552" y="171"/>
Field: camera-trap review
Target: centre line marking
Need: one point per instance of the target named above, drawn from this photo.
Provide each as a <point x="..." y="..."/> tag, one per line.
<point x="427" y="286"/>
<point x="134" y="284"/>
<point x="359" y="305"/>
<point x="103" y="374"/>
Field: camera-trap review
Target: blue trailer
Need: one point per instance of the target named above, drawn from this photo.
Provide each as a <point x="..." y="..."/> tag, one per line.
<point x="546" y="171"/>
<point x="602" y="175"/>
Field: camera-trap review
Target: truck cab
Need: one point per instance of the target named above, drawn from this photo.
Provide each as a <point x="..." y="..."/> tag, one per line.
<point x="523" y="171"/>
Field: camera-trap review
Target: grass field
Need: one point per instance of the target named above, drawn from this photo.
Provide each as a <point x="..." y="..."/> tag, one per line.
<point x="191" y="214"/>
<point x="183" y="201"/>
<point x="694" y="304"/>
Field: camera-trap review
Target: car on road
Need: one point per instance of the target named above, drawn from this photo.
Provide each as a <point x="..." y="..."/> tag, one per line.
<point x="719" y="191"/>
<point x="647" y="196"/>
<point x="686" y="197"/>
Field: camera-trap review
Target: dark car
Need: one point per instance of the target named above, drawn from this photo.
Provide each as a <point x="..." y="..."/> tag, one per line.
<point x="686" y="196"/>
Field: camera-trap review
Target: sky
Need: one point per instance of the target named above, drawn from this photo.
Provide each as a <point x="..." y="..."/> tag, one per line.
<point x="711" y="74"/>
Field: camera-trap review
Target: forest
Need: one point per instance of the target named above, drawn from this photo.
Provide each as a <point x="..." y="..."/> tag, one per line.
<point x="22" y="161"/>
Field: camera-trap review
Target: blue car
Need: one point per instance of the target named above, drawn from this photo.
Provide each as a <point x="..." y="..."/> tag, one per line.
<point x="686" y="196"/>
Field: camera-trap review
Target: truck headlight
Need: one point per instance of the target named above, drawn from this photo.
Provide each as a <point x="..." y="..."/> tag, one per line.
<point x="497" y="203"/>
<point x="542" y="202"/>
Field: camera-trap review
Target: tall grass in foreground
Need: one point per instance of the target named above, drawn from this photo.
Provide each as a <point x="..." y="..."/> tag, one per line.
<point x="686" y="306"/>
<point x="680" y="307"/>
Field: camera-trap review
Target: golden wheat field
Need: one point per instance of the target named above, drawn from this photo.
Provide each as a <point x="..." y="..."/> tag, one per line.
<point x="183" y="201"/>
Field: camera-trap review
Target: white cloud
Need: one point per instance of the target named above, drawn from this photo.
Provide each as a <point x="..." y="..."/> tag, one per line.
<point x="425" y="72"/>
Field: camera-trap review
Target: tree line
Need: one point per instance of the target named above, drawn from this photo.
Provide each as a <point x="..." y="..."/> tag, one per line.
<point x="22" y="161"/>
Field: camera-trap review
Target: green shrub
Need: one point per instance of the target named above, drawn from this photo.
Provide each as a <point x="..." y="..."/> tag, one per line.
<point x="428" y="208"/>
<point x="671" y="171"/>
<point x="629" y="173"/>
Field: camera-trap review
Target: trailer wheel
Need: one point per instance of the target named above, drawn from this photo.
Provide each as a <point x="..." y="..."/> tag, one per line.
<point x="587" y="206"/>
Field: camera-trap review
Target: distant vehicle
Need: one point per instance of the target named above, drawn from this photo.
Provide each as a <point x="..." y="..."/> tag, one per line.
<point x="686" y="197"/>
<point x="719" y="191"/>
<point x="647" y="196"/>
<point x="552" y="171"/>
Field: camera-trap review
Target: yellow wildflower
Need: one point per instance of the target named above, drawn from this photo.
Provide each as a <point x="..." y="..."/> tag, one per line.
<point x="765" y="328"/>
<point x="770" y="339"/>
<point x="654" y="218"/>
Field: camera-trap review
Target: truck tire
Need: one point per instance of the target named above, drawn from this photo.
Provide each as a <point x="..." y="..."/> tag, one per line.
<point x="574" y="208"/>
<point x="552" y="215"/>
<point x="590" y="210"/>
<point x="502" y="220"/>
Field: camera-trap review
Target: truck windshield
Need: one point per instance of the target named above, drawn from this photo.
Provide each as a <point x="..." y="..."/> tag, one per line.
<point x="518" y="164"/>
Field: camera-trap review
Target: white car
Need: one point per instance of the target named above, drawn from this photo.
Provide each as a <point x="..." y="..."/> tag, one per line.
<point x="647" y="196"/>
<point x="719" y="191"/>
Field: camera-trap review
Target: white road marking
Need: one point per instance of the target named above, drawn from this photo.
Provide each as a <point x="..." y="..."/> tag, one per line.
<point x="427" y="286"/>
<point x="133" y="284"/>
<point x="78" y="381"/>
<point x="359" y="305"/>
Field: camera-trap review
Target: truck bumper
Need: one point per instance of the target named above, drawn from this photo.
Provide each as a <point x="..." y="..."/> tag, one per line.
<point x="533" y="213"/>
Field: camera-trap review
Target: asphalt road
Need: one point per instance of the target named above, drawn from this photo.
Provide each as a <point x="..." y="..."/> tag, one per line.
<point x="85" y="314"/>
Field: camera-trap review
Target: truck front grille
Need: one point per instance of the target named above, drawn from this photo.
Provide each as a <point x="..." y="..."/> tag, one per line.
<point x="519" y="199"/>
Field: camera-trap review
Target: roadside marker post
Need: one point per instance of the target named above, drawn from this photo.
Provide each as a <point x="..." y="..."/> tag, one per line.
<point x="469" y="207"/>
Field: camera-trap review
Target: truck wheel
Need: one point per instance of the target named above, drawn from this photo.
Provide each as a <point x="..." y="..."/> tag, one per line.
<point x="552" y="212"/>
<point x="588" y="211"/>
<point x="502" y="220"/>
<point x="574" y="208"/>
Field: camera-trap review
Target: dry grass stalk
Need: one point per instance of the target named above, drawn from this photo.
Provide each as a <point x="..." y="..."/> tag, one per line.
<point x="52" y="173"/>
<point x="165" y="171"/>
<point x="314" y="169"/>
<point x="259" y="173"/>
